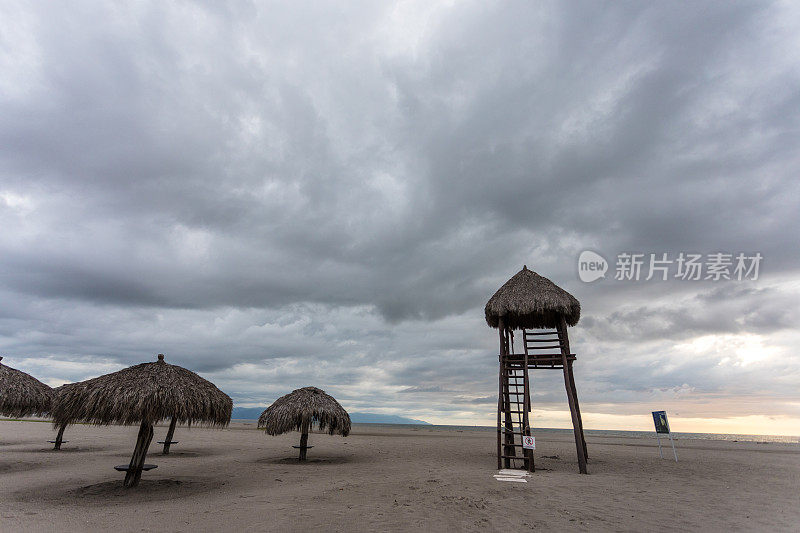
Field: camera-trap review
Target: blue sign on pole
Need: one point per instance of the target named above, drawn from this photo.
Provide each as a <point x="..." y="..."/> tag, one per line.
<point x="660" y="420"/>
<point x="662" y="427"/>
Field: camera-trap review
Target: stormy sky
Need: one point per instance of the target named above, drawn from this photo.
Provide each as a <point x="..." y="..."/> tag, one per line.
<point x="286" y="194"/>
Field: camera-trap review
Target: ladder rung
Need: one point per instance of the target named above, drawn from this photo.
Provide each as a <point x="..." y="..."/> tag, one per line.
<point x="548" y="358"/>
<point x="518" y="358"/>
<point x="520" y="457"/>
<point x="537" y="333"/>
<point x="515" y="359"/>
<point x="546" y="347"/>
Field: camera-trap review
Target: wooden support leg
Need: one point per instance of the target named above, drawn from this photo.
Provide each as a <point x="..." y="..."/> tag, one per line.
<point x="526" y="408"/>
<point x="578" y="409"/>
<point x="304" y="441"/>
<point x="499" y="410"/>
<point x="529" y="461"/>
<point x="575" y="422"/>
<point x="59" y="437"/>
<point x="572" y="397"/>
<point x="505" y="397"/>
<point x="528" y="454"/>
<point x="170" y="433"/>
<point x="134" y="473"/>
<point x="529" y="466"/>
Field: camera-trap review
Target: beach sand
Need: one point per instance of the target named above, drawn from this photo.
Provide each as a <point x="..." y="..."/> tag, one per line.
<point x="388" y="479"/>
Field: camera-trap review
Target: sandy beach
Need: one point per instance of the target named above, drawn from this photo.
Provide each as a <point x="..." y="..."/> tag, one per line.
<point x="387" y="479"/>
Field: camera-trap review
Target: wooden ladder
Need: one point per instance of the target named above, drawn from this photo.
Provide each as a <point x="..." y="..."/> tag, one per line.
<point x="515" y="417"/>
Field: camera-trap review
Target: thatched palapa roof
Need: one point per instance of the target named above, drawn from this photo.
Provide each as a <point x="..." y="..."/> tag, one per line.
<point x="529" y="300"/>
<point x="146" y="392"/>
<point x="22" y="394"/>
<point x="307" y="404"/>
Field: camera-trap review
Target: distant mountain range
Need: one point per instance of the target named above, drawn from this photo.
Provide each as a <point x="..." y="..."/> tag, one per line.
<point x="252" y="413"/>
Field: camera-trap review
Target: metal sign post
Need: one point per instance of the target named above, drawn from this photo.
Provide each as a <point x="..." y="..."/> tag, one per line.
<point x="662" y="426"/>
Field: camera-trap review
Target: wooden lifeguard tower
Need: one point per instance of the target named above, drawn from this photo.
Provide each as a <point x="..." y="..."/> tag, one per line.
<point x="542" y="311"/>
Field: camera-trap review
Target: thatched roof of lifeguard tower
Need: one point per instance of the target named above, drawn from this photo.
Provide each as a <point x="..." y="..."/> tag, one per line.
<point x="529" y="300"/>
<point x="22" y="394"/>
<point x="307" y="404"/>
<point x="146" y="392"/>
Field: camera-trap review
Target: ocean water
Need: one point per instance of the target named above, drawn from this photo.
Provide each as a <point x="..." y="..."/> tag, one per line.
<point x="731" y="437"/>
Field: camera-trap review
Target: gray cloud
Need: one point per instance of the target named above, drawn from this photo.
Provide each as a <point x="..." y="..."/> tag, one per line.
<point x="332" y="196"/>
<point x="415" y="390"/>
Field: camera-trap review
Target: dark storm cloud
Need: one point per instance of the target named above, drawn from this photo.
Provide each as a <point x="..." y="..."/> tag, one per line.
<point x="731" y="308"/>
<point x="251" y="185"/>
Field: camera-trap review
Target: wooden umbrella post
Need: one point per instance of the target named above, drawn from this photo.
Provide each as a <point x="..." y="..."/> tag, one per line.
<point x="170" y="433"/>
<point x="59" y="437"/>
<point x="304" y="439"/>
<point x="134" y="473"/>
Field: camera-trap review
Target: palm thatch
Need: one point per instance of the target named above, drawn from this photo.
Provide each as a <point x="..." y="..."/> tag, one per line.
<point x="148" y="392"/>
<point x="305" y="406"/>
<point x="529" y="300"/>
<point x="22" y="395"/>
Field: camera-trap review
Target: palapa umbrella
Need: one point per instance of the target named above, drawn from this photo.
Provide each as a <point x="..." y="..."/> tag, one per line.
<point x="299" y="410"/>
<point x="22" y="394"/>
<point x="529" y="300"/>
<point x="143" y="394"/>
